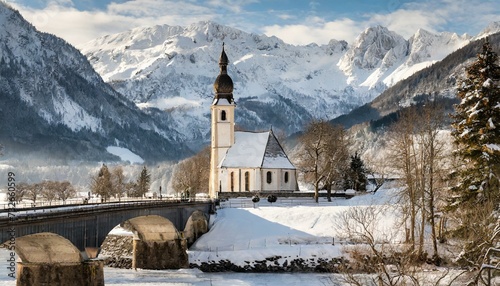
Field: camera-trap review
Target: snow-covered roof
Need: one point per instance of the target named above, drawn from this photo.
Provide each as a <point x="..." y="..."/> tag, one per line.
<point x="256" y="150"/>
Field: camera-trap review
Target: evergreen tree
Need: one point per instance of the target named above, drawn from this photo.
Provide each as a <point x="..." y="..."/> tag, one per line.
<point x="356" y="176"/>
<point x="477" y="135"/>
<point x="143" y="182"/>
<point x="477" y="129"/>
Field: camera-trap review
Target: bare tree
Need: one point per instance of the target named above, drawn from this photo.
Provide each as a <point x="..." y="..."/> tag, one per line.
<point x="201" y="171"/>
<point x="34" y="191"/>
<point x="417" y="154"/>
<point x="49" y="191"/>
<point x="193" y="174"/>
<point x="360" y="225"/>
<point x="21" y="191"/>
<point x="181" y="177"/>
<point x="118" y="182"/>
<point x="378" y="171"/>
<point x="101" y="184"/>
<point x="64" y="190"/>
<point x="321" y="155"/>
<point x="337" y="159"/>
<point x="382" y="262"/>
<point x="130" y="189"/>
<point x="402" y="156"/>
<point x="433" y="173"/>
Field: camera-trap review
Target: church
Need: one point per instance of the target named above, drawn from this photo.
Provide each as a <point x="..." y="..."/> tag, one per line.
<point x="243" y="161"/>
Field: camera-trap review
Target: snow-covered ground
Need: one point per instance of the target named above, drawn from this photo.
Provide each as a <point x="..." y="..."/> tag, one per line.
<point x="288" y="228"/>
<point x="241" y="232"/>
<point x="125" y="154"/>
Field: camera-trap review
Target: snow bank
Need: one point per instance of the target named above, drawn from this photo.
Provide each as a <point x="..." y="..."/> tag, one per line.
<point x="125" y="154"/>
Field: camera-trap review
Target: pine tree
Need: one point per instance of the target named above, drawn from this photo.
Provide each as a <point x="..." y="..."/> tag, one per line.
<point x="477" y="135"/>
<point x="477" y="129"/>
<point x="143" y="182"/>
<point x="356" y="176"/>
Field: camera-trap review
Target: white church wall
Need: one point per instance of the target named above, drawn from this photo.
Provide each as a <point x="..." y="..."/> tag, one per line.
<point x="238" y="180"/>
<point x="271" y="179"/>
<point x="291" y="183"/>
<point x="224" y="134"/>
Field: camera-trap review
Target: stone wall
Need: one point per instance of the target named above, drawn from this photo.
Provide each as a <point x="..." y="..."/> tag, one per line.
<point x="117" y="251"/>
<point x="170" y="254"/>
<point x="275" y="264"/>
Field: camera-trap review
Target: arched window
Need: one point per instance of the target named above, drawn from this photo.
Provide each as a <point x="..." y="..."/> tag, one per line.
<point x="232" y="181"/>
<point x="223" y="115"/>
<point x="286" y="177"/>
<point x="269" y="178"/>
<point x="247" y="181"/>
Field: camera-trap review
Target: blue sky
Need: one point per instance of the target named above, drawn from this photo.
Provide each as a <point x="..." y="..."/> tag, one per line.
<point x="297" y="22"/>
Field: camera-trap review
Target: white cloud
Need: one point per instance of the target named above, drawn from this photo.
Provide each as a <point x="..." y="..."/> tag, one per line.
<point x="60" y="17"/>
<point x="320" y="32"/>
<point x="405" y="19"/>
<point x="406" y="23"/>
<point x="437" y="16"/>
<point x="285" y="16"/>
<point x="236" y="6"/>
<point x="78" y="27"/>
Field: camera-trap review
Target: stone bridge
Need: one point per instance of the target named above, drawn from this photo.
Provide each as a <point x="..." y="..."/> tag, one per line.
<point x="57" y="244"/>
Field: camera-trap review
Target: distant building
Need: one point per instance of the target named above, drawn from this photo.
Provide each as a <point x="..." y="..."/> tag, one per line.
<point x="243" y="161"/>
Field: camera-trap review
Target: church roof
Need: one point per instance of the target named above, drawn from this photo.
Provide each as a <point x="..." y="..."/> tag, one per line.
<point x="223" y="85"/>
<point x="256" y="150"/>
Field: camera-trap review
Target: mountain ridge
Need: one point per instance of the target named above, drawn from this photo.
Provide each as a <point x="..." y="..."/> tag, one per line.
<point x="154" y="88"/>
<point x="436" y="82"/>
<point x="54" y="105"/>
<point x="275" y="83"/>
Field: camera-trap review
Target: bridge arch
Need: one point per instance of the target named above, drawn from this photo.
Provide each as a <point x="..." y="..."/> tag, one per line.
<point x="152" y="228"/>
<point x="47" y="247"/>
<point x="196" y="226"/>
<point x="157" y="244"/>
<point x="50" y="259"/>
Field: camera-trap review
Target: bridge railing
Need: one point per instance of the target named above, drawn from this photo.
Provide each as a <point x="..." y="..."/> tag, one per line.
<point x="247" y="202"/>
<point x="5" y="207"/>
<point x="74" y="210"/>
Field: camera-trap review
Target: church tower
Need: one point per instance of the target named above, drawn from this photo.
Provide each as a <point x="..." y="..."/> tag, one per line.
<point x="222" y="127"/>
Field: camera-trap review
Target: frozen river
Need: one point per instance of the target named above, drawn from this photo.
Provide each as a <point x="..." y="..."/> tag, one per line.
<point x="185" y="277"/>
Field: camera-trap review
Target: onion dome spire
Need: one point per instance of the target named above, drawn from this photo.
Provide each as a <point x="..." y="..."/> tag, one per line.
<point x="223" y="84"/>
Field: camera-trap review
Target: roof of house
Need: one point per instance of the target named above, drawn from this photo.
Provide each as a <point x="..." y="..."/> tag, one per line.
<point x="256" y="150"/>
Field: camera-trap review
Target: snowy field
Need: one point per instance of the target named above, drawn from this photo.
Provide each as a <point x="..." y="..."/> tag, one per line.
<point x="241" y="232"/>
<point x="291" y="229"/>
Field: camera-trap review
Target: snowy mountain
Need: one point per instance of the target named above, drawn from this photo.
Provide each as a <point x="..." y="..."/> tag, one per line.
<point x="54" y="105"/>
<point x="276" y="84"/>
<point x="436" y="82"/>
<point x="154" y="101"/>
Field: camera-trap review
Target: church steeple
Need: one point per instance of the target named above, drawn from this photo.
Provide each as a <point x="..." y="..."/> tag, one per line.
<point x="223" y="84"/>
<point x="222" y="123"/>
